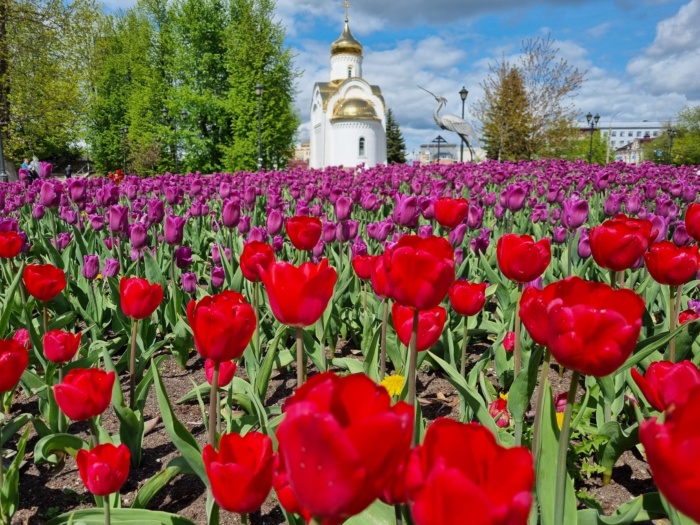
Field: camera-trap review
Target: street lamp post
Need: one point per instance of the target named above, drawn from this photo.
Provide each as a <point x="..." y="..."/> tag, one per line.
<point x="3" y="173"/>
<point x="439" y="141"/>
<point x="463" y="95"/>
<point x="259" y="92"/>
<point x="592" y="123"/>
<point x="125" y="130"/>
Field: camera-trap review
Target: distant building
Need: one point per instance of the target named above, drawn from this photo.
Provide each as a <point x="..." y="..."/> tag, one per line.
<point x="619" y="134"/>
<point x="348" y="116"/>
<point x="303" y="152"/>
<point x="633" y="153"/>
<point x="428" y="154"/>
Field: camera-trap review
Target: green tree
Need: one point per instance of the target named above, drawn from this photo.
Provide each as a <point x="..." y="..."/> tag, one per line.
<point x="256" y="55"/>
<point x="42" y="76"/>
<point x="504" y="113"/>
<point x="395" y="143"/>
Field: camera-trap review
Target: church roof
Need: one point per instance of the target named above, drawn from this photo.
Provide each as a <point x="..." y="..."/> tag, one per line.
<point x="346" y="43"/>
<point x="328" y="89"/>
<point x="354" y="109"/>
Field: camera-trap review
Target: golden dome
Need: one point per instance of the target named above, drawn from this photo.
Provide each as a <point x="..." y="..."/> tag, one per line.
<point x="354" y="109"/>
<point x="346" y="43"/>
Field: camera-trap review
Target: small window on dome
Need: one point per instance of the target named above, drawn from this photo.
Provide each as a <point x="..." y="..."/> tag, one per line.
<point x="362" y="147"/>
<point x="349" y="71"/>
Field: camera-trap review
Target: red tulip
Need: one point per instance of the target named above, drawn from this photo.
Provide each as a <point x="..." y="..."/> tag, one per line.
<point x="521" y="259"/>
<point x="285" y="495"/>
<point x="509" y="342"/>
<point x="498" y="410"/>
<point x="299" y="295"/>
<point x="223" y="325"/>
<point x="430" y="325"/>
<point x="692" y="221"/>
<point x="593" y="328"/>
<point x="227" y="370"/>
<point x="687" y="316"/>
<point x="256" y="255"/>
<point x="240" y="473"/>
<point x="61" y="346"/>
<point x="667" y="384"/>
<point x="104" y="469"/>
<point x="462" y="475"/>
<point x="304" y="232"/>
<point x="84" y="393"/>
<point x="419" y="271"/>
<point x="449" y="213"/>
<point x="670" y="264"/>
<point x="139" y="298"/>
<point x="533" y="312"/>
<point x="10" y="244"/>
<point x="341" y="442"/>
<point x="395" y="492"/>
<point x="467" y="298"/>
<point x="13" y="362"/>
<point x="44" y="281"/>
<point x="22" y="337"/>
<point x="380" y="280"/>
<point x="362" y="264"/>
<point x="673" y="453"/>
<point x="618" y="243"/>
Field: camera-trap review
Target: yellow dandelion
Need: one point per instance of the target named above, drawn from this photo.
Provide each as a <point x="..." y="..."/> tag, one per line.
<point x="560" y="419"/>
<point x="99" y="276"/>
<point x="393" y="384"/>
<point x="503" y="396"/>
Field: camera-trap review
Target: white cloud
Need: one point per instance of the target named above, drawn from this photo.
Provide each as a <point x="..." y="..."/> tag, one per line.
<point x="670" y="64"/>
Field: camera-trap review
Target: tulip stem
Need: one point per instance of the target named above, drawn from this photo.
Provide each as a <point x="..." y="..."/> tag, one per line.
<point x="465" y="342"/>
<point x="105" y="505"/>
<point x="22" y="291"/>
<point x="563" y="448"/>
<point x="173" y="283"/>
<point x="256" y="307"/>
<point x="517" y="351"/>
<point x="673" y="306"/>
<point x="301" y="358"/>
<point x="2" y="463"/>
<point x="93" y="432"/>
<point x="97" y="319"/>
<point x="132" y="365"/>
<point x="569" y="254"/>
<point x="244" y="519"/>
<point x="397" y="514"/>
<point x="382" y="355"/>
<point x="46" y="320"/>
<point x="413" y="359"/>
<point x="214" y="405"/>
<point x="539" y="407"/>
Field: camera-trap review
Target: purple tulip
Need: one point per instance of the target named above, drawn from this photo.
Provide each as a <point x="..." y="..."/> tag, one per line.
<point x="499" y="211"/>
<point x="68" y="215"/>
<point x="174" y="229"/>
<point x="680" y="235"/>
<point x="244" y="225"/>
<point x="318" y="249"/>
<point x="574" y="212"/>
<point x="48" y="196"/>
<point x="138" y="234"/>
<point x="97" y="222"/>
<point x="189" y="282"/>
<point x="456" y="236"/>
<point x="183" y="257"/>
<point x="346" y="231"/>
<point x="156" y="211"/>
<point x="9" y="225"/>
<point x="64" y="240"/>
<point x="480" y="243"/>
<point x="257" y="233"/>
<point x="91" y="266"/>
<point x="343" y="208"/>
<point x="613" y="204"/>
<point x="406" y="210"/>
<point x="76" y="190"/>
<point x="216" y="253"/>
<point x="358" y="247"/>
<point x="329" y="229"/>
<point x="475" y="217"/>
<point x="584" y="244"/>
<point x="513" y="197"/>
<point x="111" y="268"/>
<point x="425" y="231"/>
<point x="38" y="212"/>
<point x="217" y="276"/>
<point x="459" y="256"/>
<point x="633" y="204"/>
<point x="659" y="225"/>
<point x="274" y="222"/>
<point x="278" y="243"/>
<point x="118" y="218"/>
<point x="171" y="195"/>
<point x="559" y="235"/>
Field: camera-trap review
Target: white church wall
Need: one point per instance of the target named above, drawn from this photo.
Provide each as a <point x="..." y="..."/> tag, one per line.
<point x="346" y="66"/>
<point x="345" y="139"/>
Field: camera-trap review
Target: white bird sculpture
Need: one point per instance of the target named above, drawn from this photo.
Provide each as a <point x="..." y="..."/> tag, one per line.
<point x="453" y="123"/>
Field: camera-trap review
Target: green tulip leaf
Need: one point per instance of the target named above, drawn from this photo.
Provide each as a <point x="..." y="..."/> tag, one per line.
<point x="119" y="517"/>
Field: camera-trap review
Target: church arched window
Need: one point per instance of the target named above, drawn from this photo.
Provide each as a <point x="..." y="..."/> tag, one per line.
<point x="362" y="147"/>
<point x="349" y="71"/>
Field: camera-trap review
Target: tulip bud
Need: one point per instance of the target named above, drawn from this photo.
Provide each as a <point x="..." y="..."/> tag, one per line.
<point x="91" y="266"/>
<point x="111" y="268"/>
<point x="217" y="276"/>
<point x="189" y="282"/>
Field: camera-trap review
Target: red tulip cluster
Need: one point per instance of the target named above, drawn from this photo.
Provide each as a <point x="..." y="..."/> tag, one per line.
<point x="620" y="242"/>
<point x="10" y="244"/>
<point x="44" y="281"/>
<point x="450" y="213"/>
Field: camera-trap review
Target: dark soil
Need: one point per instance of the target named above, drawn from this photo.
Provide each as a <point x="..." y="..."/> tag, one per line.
<point x="45" y="494"/>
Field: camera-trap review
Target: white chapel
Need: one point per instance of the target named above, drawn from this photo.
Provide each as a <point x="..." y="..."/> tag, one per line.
<point x="348" y="116"/>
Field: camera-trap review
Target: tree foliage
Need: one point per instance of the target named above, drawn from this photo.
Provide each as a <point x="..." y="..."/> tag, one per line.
<point x="395" y="143"/>
<point x="526" y="111"/>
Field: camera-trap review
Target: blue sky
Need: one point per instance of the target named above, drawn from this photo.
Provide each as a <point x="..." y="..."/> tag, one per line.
<point x="642" y="57"/>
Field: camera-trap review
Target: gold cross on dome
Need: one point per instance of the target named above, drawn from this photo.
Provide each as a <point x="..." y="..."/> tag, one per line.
<point x="346" y="5"/>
